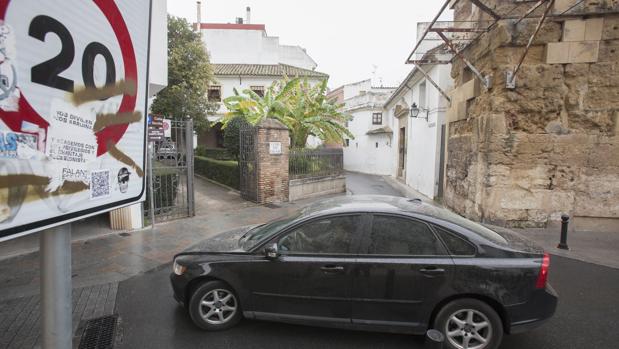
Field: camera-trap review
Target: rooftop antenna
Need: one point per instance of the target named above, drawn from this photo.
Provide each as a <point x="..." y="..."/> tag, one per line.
<point x="374" y="68"/>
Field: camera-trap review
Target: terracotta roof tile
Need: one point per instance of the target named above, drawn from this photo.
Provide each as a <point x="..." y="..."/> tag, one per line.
<point x="265" y="70"/>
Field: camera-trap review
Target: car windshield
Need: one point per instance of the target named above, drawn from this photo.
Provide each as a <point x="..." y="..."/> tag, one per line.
<point x="259" y="233"/>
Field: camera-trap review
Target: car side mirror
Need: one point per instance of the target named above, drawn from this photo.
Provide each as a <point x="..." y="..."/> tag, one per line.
<point x="271" y="251"/>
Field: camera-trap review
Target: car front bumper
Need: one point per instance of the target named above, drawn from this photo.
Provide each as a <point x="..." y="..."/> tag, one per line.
<point x="179" y="286"/>
<point x="529" y="315"/>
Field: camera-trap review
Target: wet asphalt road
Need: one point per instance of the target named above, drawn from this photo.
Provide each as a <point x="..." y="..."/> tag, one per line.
<point x="587" y="317"/>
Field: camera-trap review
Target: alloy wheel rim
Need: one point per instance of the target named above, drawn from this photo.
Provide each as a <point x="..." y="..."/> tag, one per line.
<point x="468" y="329"/>
<point x="218" y="306"/>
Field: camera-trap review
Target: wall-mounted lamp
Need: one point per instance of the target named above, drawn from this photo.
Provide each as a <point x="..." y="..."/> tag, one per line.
<point x="415" y="112"/>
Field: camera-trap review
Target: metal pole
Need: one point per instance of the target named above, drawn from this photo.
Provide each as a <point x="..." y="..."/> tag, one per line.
<point x="150" y="185"/>
<point x="565" y="219"/>
<point x="189" y="154"/>
<point x="55" y="258"/>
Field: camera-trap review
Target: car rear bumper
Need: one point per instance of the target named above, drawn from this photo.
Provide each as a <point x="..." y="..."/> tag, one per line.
<point x="527" y="316"/>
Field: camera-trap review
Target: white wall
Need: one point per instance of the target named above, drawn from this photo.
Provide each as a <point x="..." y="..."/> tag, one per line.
<point x="423" y="137"/>
<point x="362" y="154"/>
<point x="250" y="46"/>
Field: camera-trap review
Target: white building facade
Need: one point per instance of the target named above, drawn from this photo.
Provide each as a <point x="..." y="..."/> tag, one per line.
<point x="370" y="150"/>
<point x="418" y="152"/>
<point x="244" y="57"/>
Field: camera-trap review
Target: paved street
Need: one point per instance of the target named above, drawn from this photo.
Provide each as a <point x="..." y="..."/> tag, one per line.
<point x="137" y="265"/>
<point x="587" y="317"/>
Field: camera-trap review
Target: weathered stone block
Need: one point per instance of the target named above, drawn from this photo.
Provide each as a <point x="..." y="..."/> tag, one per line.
<point x="561" y="6"/>
<point x="557" y="52"/>
<point x="611" y="28"/>
<point x="583" y="52"/>
<point x="573" y="30"/>
<point x="594" y="28"/>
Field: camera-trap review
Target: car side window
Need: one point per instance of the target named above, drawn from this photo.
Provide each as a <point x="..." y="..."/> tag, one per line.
<point x="328" y="235"/>
<point x="456" y="245"/>
<point x="402" y="236"/>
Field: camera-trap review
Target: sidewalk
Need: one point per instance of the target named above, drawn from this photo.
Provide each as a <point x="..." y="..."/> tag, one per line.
<point x="99" y="264"/>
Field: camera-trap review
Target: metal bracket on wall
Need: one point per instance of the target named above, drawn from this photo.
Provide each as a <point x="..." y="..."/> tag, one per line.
<point x="511" y="83"/>
<point x="475" y="71"/>
<point x="440" y="90"/>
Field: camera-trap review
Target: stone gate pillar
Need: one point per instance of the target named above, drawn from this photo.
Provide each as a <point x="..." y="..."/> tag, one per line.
<point x="272" y="149"/>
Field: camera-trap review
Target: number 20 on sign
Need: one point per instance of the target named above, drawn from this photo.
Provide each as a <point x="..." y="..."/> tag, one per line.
<point x="73" y="100"/>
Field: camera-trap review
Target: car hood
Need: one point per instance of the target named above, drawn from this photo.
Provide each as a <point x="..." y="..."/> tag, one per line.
<point x="223" y="242"/>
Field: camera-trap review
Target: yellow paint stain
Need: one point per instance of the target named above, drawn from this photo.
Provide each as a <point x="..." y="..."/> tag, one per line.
<point x="124" y="158"/>
<point x="105" y="120"/>
<point x="89" y="94"/>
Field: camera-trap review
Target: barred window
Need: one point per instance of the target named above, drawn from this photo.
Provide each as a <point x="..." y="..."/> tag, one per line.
<point x="259" y="90"/>
<point x="214" y="93"/>
<point x="377" y="119"/>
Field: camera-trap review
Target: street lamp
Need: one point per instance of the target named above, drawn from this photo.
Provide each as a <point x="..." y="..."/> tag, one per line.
<point x="415" y="111"/>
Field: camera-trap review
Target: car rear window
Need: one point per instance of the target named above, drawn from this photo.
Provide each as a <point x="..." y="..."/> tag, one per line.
<point x="455" y="244"/>
<point x="456" y="219"/>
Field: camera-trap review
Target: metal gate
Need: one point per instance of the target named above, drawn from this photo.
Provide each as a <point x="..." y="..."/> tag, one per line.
<point x="171" y="174"/>
<point x="247" y="164"/>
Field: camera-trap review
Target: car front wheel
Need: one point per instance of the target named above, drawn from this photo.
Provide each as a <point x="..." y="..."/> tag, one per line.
<point x="214" y="306"/>
<point x="469" y="324"/>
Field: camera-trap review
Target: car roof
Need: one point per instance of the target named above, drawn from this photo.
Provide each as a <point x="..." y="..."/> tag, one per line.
<point x="373" y="203"/>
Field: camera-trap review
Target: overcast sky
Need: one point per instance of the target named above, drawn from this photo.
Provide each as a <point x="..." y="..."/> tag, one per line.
<point x="347" y="38"/>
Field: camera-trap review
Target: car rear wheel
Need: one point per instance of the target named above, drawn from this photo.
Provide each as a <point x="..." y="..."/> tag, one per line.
<point x="214" y="306"/>
<point x="469" y="324"/>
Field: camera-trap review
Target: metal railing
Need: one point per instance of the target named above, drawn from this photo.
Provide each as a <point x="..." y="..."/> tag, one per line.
<point x="311" y="163"/>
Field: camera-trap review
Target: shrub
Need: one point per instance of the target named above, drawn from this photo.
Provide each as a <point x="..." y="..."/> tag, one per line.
<point x="221" y="171"/>
<point x="214" y="153"/>
<point x="232" y="136"/>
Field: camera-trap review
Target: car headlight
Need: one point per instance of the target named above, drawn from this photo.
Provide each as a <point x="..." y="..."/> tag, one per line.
<point x="179" y="269"/>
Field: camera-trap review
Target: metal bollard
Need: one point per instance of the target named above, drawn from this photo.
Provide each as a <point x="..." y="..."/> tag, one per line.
<point x="434" y="340"/>
<point x="565" y="219"/>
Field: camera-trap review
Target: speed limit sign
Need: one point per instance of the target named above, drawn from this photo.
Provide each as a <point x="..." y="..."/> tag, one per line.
<point x="73" y="100"/>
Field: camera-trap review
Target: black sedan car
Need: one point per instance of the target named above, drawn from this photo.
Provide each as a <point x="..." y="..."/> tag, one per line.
<point x="375" y="263"/>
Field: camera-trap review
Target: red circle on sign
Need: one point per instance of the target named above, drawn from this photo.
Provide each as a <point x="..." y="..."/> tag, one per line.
<point x="127" y="105"/>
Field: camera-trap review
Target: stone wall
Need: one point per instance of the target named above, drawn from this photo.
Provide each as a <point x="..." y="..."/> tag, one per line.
<point x="313" y="187"/>
<point x="523" y="156"/>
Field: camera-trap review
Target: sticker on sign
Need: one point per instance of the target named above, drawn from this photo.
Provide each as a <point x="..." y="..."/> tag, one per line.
<point x="73" y="100"/>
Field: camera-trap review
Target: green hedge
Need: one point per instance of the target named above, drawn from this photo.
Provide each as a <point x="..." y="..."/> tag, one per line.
<point x="214" y="153"/>
<point x="221" y="171"/>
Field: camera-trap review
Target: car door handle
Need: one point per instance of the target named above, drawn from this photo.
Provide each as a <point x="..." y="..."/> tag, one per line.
<point x="332" y="268"/>
<point x="432" y="271"/>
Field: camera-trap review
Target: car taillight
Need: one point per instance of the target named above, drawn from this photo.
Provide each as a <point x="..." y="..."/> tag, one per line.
<point x="543" y="272"/>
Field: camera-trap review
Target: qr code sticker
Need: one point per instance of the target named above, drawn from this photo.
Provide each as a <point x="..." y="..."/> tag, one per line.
<point x="100" y="184"/>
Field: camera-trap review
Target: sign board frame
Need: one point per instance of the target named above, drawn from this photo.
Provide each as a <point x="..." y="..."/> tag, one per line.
<point x="275" y="148"/>
<point x="106" y="206"/>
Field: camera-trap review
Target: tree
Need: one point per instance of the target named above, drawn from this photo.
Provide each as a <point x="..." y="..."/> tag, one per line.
<point x="310" y="112"/>
<point x="303" y="108"/>
<point x="189" y="74"/>
<point x="255" y="108"/>
<point x="232" y="138"/>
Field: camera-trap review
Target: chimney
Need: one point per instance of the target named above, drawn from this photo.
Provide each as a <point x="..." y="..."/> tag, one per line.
<point x="198" y="15"/>
<point x="248" y="17"/>
<point x="239" y="20"/>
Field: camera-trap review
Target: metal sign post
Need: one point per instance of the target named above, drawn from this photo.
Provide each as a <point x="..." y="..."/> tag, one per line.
<point x="73" y="101"/>
<point x="55" y="258"/>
